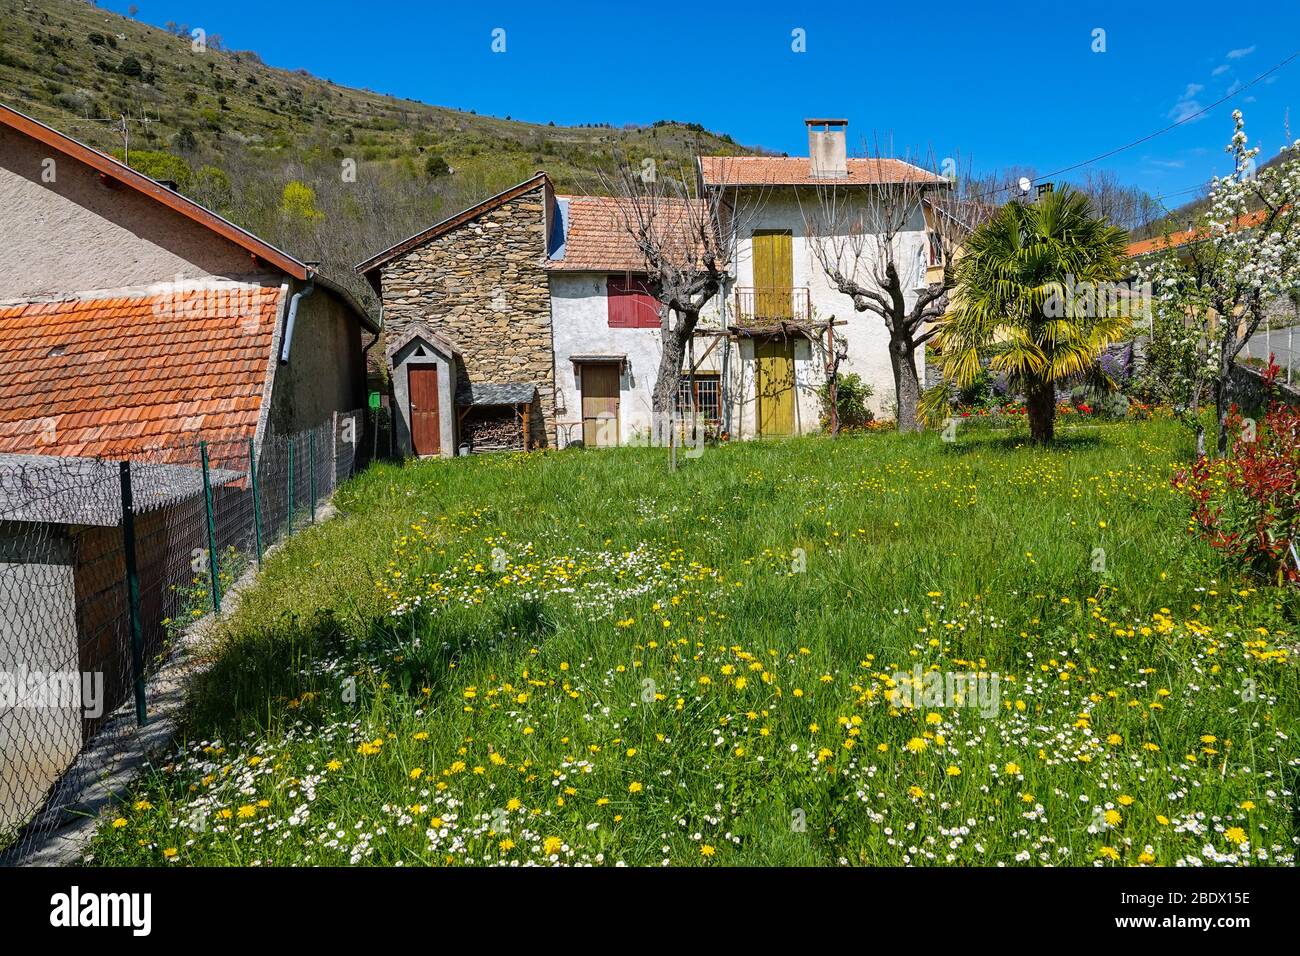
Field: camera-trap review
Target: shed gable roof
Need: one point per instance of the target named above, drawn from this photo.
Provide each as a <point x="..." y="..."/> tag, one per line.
<point x="421" y="330"/>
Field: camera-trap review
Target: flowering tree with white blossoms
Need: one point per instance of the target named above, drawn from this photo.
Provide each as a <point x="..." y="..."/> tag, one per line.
<point x="1211" y="293"/>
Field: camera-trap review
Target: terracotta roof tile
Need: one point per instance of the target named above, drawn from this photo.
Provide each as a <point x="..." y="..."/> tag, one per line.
<point x="797" y="171"/>
<point x="1183" y="236"/>
<point x="597" y="238"/>
<point x="117" y="377"/>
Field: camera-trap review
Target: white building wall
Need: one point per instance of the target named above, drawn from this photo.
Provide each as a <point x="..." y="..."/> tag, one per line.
<point x="865" y="332"/>
<point x="580" y="326"/>
<point x="580" y="323"/>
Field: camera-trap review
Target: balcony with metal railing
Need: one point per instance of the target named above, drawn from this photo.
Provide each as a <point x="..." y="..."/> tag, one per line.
<point x="761" y="307"/>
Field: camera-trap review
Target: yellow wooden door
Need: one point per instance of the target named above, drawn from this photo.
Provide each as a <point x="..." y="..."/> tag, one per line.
<point x="600" y="405"/>
<point x="773" y="273"/>
<point x="774" y="386"/>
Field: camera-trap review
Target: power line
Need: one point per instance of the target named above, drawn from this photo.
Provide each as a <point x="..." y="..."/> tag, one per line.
<point x="1150" y="136"/>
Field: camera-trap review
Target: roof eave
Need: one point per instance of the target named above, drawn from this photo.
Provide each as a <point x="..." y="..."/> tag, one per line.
<point x="118" y="170"/>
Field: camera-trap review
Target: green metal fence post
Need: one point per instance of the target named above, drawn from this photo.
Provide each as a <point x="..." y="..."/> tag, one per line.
<point x="214" y="566"/>
<point x="133" y="592"/>
<point x="311" y="468"/>
<point x="257" y="504"/>
<point x="289" y="527"/>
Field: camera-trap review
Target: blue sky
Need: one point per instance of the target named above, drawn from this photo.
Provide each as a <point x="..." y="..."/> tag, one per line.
<point x="1011" y="83"/>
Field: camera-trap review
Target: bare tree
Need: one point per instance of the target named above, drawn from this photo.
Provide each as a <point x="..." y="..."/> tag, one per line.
<point x="686" y="233"/>
<point x="1123" y="205"/>
<point x="865" y="240"/>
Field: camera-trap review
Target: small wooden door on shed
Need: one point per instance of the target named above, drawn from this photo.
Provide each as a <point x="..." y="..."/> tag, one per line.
<point x="600" y="404"/>
<point x="426" y="422"/>
<point x="774" y="386"/>
<point x="773" y="273"/>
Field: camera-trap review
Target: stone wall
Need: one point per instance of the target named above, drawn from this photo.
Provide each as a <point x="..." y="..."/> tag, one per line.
<point x="483" y="286"/>
<point x="1248" y="391"/>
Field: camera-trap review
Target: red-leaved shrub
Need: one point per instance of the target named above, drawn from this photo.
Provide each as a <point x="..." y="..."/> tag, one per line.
<point x="1248" y="505"/>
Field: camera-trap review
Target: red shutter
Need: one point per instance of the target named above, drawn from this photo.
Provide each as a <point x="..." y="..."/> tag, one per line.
<point x="646" y="306"/>
<point x="631" y="306"/>
<point x="621" y="314"/>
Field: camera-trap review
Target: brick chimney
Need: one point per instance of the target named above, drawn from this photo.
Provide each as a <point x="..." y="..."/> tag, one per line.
<point x="827" y="155"/>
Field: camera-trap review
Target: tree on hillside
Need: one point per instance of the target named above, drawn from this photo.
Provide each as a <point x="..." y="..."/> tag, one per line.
<point x="687" y="237"/>
<point x="1125" y="206"/>
<point x="873" y="247"/>
<point x="1010" y="311"/>
<point x="1212" y="291"/>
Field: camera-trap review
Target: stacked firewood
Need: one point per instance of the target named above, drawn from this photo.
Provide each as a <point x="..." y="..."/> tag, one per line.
<point x="493" y="430"/>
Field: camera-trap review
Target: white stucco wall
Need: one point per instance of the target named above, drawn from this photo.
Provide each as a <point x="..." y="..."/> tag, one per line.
<point x="580" y="326"/>
<point x="580" y="323"/>
<point x="865" y="332"/>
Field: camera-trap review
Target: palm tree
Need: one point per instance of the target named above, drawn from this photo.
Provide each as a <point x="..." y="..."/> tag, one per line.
<point x="1026" y="302"/>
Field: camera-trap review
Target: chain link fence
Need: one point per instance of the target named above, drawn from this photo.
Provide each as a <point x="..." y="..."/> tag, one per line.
<point x="103" y="565"/>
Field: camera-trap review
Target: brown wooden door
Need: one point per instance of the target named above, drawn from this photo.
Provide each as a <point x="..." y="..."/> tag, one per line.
<point x="426" y="424"/>
<point x="600" y="405"/>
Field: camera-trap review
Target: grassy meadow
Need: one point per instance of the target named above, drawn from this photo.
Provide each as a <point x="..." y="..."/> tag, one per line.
<point x="578" y="658"/>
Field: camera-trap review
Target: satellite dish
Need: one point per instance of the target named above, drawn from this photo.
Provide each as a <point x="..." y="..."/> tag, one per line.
<point x="1025" y="184"/>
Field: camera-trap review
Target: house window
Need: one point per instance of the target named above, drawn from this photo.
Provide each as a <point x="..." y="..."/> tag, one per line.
<point x="631" y="306"/>
<point x="936" y="249"/>
<point x="708" y="402"/>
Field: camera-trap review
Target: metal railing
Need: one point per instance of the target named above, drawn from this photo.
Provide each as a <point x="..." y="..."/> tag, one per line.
<point x="103" y="565"/>
<point x="767" y="306"/>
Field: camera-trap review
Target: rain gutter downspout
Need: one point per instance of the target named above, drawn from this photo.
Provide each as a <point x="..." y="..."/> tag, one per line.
<point x="306" y="291"/>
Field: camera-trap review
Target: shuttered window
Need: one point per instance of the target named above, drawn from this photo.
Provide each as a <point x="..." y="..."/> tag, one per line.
<point x="631" y="306"/>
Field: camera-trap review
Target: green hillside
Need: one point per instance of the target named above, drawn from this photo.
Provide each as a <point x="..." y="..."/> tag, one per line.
<point x="273" y="150"/>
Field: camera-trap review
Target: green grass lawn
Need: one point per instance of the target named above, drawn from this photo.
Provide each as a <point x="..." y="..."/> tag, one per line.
<point x="577" y="657"/>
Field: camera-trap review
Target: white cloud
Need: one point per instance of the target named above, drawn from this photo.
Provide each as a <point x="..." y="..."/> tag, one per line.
<point x="1239" y="53"/>
<point x="1187" y="105"/>
<point x="1220" y="70"/>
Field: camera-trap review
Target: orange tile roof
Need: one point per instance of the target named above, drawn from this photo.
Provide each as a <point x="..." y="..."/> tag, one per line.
<point x="117" y="377"/>
<point x="797" y="171"/>
<point x="597" y="238"/>
<point x="1183" y="236"/>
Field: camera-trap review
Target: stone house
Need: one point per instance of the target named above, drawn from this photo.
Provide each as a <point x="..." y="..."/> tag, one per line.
<point x="466" y="310"/>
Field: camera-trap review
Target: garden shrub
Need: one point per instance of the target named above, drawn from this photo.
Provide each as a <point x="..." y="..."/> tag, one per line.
<point x="851" y="400"/>
<point x="1248" y="505"/>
